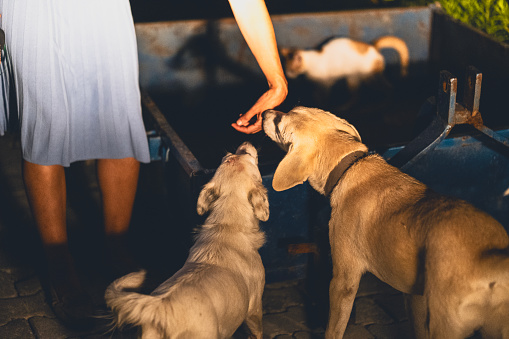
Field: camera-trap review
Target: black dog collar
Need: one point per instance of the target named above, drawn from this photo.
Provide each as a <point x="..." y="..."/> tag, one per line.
<point x="341" y="168"/>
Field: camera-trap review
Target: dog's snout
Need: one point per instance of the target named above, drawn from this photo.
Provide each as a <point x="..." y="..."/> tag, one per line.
<point x="264" y="113"/>
<point x="267" y="113"/>
<point x="247" y="148"/>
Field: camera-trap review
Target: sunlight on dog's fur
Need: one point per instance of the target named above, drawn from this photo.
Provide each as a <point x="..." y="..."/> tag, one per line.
<point x="451" y="257"/>
<point x="221" y="284"/>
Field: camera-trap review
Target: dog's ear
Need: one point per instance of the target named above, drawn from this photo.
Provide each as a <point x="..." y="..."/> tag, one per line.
<point x="295" y="168"/>
<point x="345" y="126"/>
<point x="207" y="196"/>
<point x="260" y="202"/>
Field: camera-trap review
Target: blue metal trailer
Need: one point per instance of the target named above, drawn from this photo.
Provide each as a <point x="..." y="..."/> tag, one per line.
<point x="197" y="76"/>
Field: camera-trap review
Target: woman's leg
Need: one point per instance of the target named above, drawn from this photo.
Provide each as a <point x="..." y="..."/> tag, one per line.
<point x="46" y="191"/>
<point x="118" y="180"/>
<point x="45" y="188"/>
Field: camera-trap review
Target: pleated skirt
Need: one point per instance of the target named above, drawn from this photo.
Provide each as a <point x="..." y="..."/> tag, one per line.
<point x="75" y="68"/>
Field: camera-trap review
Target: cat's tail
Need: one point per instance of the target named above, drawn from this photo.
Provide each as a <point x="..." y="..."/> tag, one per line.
<point x="397" y="44"/>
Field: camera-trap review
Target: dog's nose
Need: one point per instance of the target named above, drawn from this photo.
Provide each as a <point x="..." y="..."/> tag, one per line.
<point x="267" y="111"/>
<point x="247" y="148"/>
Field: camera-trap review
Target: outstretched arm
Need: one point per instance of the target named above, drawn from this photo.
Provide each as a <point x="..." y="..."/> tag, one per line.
<point x="256" y="27"/>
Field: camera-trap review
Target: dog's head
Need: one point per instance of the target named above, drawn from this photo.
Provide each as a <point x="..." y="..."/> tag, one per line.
<point x="237" y="178"/>
<point x="315" y="140"/>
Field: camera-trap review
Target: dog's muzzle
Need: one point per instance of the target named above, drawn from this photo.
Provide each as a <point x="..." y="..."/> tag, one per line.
<point x="271" y="126"/>
<point x="267" y="112"/>
<point x="247" y="148"/>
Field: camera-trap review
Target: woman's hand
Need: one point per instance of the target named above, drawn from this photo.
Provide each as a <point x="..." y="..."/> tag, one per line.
<point x="255" y="25"/>
<point x="270" y="99"/>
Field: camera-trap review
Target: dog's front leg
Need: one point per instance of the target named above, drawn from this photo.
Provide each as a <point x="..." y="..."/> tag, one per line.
<point x="342" y="291"/>
<point x="417" y="310"/>
<point x="347" y="273"/>
<point x="254" y="322"/>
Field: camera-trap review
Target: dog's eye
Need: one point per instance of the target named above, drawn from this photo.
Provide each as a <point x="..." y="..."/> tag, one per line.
<point x="241" y="152"/>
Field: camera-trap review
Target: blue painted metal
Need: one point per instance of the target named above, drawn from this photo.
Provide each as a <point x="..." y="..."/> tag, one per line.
<point x="471" y="167"/>
<point x="474" y="168"/>
<point x="288" y="223"/>
<point x="154" y="145"/>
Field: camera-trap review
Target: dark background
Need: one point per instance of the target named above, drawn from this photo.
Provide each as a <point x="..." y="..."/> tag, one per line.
<point x="162" y="10"/>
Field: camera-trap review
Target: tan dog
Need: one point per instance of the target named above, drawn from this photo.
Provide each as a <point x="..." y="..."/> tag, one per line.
<point x="221" y="284"/>
<point x="453" y="257"/>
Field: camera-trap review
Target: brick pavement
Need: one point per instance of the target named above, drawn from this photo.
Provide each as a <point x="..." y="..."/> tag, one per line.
<point x="291" y="309"/>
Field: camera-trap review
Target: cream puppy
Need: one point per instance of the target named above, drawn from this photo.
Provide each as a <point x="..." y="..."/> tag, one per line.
<point x="221" y="284"/>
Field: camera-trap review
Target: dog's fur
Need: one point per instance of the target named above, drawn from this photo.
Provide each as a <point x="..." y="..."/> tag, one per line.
<point x="452" y="257"/>
<point x="221" y="284"/>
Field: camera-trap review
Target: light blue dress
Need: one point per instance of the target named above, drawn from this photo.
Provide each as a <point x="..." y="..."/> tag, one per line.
<point x="75" y="68"/>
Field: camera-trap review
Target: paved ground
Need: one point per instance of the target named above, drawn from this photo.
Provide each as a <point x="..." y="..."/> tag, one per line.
<point x="291" y="309"/>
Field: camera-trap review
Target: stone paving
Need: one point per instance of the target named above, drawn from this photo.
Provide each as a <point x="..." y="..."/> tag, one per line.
<point x="291" y="309"/>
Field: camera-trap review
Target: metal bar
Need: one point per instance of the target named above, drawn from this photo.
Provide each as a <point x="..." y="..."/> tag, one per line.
<point x="446" y="97"/>
<point x="437" y="130"/>
<point x="495" y="136"/>
<point x="472" y="89"/>
<point x="185" y="157"/>
<point x="448" y="114"/>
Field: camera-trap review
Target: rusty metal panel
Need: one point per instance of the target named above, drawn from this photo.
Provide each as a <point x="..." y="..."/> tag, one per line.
<point x="185" y="55"/>
<point x="413" y="25"/>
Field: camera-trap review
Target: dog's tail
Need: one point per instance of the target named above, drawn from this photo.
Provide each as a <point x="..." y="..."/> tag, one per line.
<point x="130" y="307"/>
<point x="399" y="46"/>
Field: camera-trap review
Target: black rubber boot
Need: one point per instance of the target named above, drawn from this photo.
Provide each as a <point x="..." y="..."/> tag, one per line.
<point x="67" y="298"/>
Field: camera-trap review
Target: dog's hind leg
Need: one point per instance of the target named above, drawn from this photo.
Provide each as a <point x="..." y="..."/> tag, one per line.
<point x="441" y="327"/>
<point x="342" y="291"/>
<point x="417" y="312"/>
<point x="443" y="318"/>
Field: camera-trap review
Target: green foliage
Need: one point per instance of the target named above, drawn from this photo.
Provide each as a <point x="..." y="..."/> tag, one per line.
<point x="490" y="16"/>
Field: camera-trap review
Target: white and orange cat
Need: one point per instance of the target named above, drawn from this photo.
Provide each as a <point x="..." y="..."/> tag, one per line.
<point x="343" y="58"/>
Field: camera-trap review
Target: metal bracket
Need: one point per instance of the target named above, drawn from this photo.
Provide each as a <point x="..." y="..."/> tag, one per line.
<point x="448" y="114"/>
<point x="157" y="148"/>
